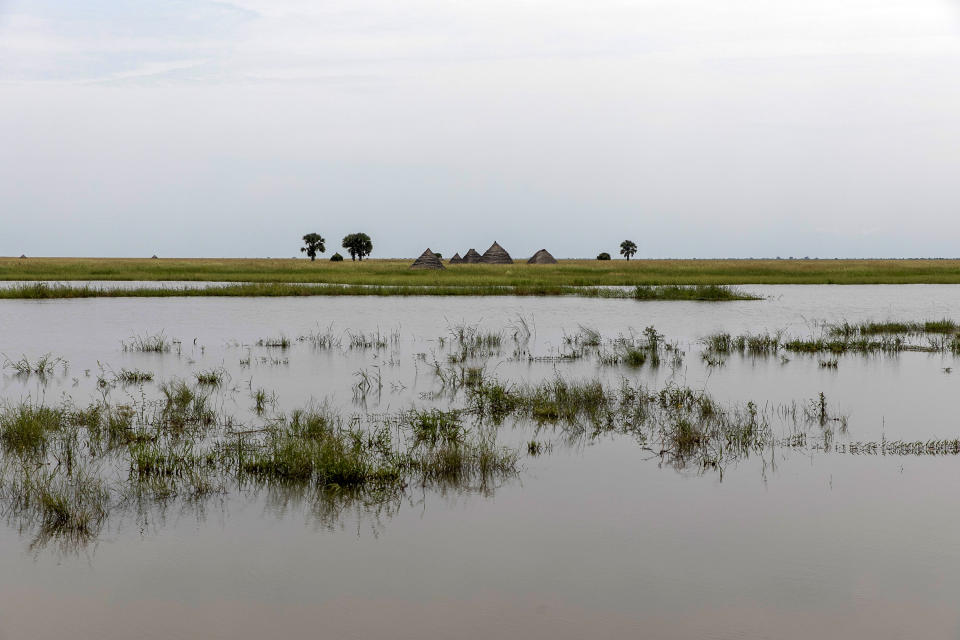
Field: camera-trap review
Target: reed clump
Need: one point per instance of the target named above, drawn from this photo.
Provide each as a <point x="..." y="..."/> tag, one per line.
<point x="942" y="326"/>
<point x="211" y="377"/>
<point x="278" y="342"/>
<point x="635" y="351"/>
<point x="834" y="343"/>
<point x="43" y="366"/>
<point x="25" y="428"/>
<point x="183" y="407"/>
<point x="687" y="426"/>
<point x="322" y="339"/>
<point x="699" y="292"/>
<point x="147" y="343"/>
<point x="133" y="376"/>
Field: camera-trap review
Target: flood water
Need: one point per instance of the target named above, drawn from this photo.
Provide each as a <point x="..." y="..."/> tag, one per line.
<point x="594" y="537"/>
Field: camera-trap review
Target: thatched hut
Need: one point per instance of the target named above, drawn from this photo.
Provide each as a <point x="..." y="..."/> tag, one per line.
<point x="427" y="260"/>
<point x="542" y="257"/>
<point x="496" y="255"/>
<point x="456" y="259"/>
<point x="472" y="257"/>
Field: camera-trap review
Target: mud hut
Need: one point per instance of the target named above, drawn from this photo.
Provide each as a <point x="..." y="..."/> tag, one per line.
<point x="496" y="255"/>
<point x="472" y="257"/>
<point x="427" y="260"/>
<point x="456" y="259"/>
<point x="542" y="257"/>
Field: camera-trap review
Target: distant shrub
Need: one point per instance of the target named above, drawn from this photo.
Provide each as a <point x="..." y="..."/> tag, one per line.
<point x="603" y="256"/>
<point x="336" y="258"/>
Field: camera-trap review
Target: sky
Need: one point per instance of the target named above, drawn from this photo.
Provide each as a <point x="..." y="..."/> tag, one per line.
<point x="695" y="128"/>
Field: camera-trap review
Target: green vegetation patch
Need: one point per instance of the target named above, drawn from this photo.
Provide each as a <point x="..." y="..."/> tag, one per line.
<point x="565" y="273"/>
<point x="43" y="291"/>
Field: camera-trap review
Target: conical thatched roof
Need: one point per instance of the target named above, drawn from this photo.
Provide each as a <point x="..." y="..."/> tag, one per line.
<point x="472" y="257"/>
<point x="542" y="257"/>
<point x="456" y="259"/>
<point x="496" y="255"/>
<point x="427" y="260"/>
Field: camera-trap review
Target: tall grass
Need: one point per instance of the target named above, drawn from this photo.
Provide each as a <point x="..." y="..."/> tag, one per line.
<point x="705" y="293"/>
<point x="25" y="427"/>
<point x="838" y="340"/>
<point x="147" y="343"/>
<point x="133" y="376"/>
<point x="184" y="407"/>
<point x="847" y="330"/>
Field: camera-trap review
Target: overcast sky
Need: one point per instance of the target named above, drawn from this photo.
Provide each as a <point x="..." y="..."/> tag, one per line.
<point x="697" y="128"/>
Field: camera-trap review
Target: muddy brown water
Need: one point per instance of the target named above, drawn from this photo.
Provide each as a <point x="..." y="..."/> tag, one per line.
<point x="593" y="539"/>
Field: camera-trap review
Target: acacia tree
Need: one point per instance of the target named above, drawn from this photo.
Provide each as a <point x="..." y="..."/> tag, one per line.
<point x="627" y="248"/>
<point x="313" y="244"/>
<point x="358" y="245"/>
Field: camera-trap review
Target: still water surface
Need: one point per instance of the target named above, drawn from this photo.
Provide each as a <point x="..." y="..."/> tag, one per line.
<point x="592" y="539"/>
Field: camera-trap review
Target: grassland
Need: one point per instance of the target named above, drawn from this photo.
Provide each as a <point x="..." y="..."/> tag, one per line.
<point x="569" y="273"/>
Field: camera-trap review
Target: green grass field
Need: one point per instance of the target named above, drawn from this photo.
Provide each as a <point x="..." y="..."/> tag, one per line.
<point x="567" y="273"/>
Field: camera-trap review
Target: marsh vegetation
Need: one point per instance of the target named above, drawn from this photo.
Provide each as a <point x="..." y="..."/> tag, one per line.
<point x="44" y="291"/>
<point x="328" y="445"/>
<point x="69" y="467"/>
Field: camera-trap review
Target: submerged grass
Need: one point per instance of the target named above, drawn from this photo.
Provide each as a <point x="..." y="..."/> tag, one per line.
<point x="133" y="376"/>
<point x="42" y="366"/>
<point x="684" y="426"/>
<point x="634" y="351"/>
<point x="183" y="407"/>
<point x="704" y="292"/>
<point x="179" y="447"/>
<point x="25" y="427"/>
<point x="68" y="508"/>
<point x="847" y="330"/>
<point x="278" y="342"/>
<point x="211" y="377"/>
<point x="147" y="343"/>
<point x="837" y="341"/>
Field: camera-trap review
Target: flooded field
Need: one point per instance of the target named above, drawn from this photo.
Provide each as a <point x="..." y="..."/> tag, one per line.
<point x="482" y="467"/>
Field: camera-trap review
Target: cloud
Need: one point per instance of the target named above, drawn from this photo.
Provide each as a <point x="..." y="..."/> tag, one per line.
<point x="46" y="39"/>
<point x="688" y="124"/>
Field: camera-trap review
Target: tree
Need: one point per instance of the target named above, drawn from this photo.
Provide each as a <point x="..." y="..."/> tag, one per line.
<point x="359" y="245"/>
<point x="313" y="244"/>
<point x="603" y="256"/>
<point x="336" y="257"/>
<point x="627" y="248"/>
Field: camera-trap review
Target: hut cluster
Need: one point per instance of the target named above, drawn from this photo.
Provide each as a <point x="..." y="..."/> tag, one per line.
<point x="494" y="255"/>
